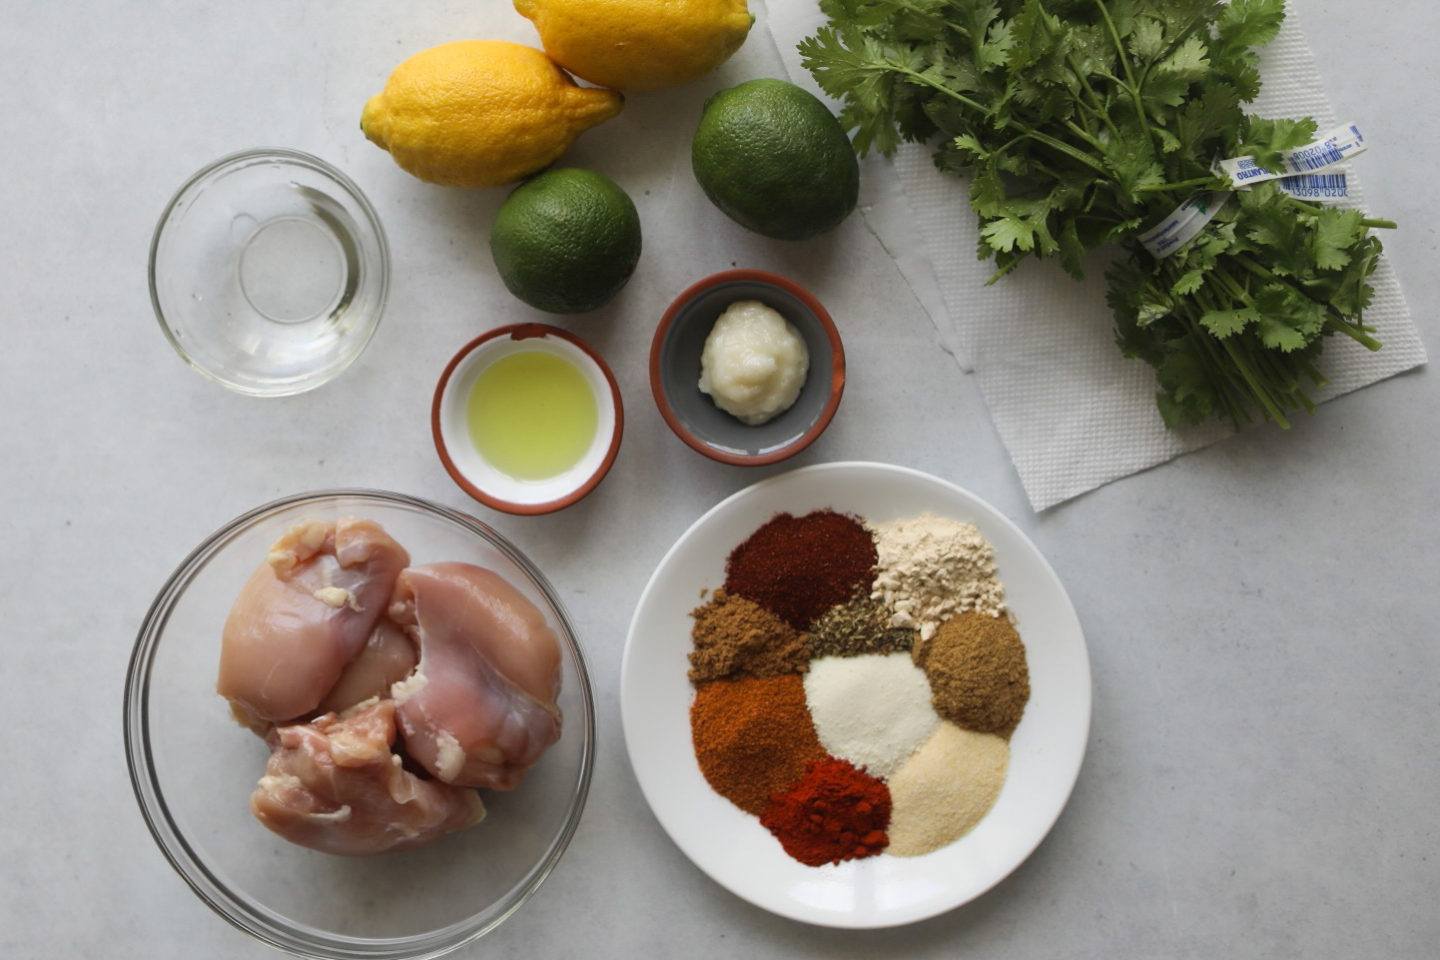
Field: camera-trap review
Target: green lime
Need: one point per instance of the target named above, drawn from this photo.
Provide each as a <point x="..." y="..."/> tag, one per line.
<point x="775" y="160"/>
<point x="566" y="241"/>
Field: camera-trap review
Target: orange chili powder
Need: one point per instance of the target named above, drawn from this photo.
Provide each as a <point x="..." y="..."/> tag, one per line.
<point x="753" y="737"/>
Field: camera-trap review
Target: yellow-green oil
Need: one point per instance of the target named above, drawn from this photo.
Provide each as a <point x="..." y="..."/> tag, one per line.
<point x="532" y="415"/>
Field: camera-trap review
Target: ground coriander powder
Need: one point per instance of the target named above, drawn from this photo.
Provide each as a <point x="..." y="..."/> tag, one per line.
<point x="978" y="675"/>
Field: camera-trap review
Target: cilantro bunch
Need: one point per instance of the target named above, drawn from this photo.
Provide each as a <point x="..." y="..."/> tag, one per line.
<point x="1082" y="123"/>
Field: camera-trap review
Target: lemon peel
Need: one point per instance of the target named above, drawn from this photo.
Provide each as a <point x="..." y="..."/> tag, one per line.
<point x="481" y="113"/>
<point x="639" y="44"/>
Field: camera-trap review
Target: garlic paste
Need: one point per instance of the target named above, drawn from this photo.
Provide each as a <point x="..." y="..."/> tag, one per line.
<point x="754" y="362"/>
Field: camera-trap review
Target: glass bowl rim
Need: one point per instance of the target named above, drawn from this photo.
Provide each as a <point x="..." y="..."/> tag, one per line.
<point x="252" y="919"/>
<point x="292" y="157"/>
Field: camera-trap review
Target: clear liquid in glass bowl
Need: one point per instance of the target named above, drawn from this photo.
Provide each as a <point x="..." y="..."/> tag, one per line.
<point x="269" y="272"/>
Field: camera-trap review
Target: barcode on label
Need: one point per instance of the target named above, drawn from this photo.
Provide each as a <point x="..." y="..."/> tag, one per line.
<point x="1316" y="186"/>
<point x="1333" y="147"/>
<point x="1323" y="157"/>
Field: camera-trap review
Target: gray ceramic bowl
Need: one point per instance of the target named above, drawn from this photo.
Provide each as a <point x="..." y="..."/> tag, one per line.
<point x="675" y="370"/>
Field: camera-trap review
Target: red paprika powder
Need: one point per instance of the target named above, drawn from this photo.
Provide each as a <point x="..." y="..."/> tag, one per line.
<point x="835" y="812"/>
<point x="800" y="567"/>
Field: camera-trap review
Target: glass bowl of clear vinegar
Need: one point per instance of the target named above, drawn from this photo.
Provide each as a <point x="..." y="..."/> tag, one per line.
<point x="269" y="271"/>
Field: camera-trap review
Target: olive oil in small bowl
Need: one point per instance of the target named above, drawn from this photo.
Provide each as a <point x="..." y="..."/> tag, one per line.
<point x="527" y="418"/>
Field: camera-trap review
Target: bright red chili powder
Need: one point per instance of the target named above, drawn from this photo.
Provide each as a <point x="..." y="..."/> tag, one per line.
<point x="836" y="812"/>
<point x="800" y="567"/>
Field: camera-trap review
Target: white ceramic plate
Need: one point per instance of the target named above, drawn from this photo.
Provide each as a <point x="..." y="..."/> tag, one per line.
<point x="730" y="845"/>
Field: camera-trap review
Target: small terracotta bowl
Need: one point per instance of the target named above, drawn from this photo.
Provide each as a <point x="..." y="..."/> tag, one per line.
<point x="675" y="370"/>
<point x="477" y="476"/>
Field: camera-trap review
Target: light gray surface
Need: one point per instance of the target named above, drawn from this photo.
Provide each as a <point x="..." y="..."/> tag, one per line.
<point x="1261" y="615"/>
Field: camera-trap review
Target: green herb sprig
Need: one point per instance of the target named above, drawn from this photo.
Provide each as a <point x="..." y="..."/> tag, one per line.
<point x="1081" y="123"/>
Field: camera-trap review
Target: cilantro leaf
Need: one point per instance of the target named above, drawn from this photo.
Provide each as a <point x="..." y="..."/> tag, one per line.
<point x="1279" y="335"/>
<point x="1192" y="280"/>
<point x="1247" y="23"/>
<point x="1164" y="89"/>
<point x="1147" y="42"/>
<point x="1133" y="165"/>
<point x="1335" y="233"/>
<point x="1019" y="225"/>
<point x="1264" y="139"/>
<point x="1206" y="118"/>
<point x="1224" y="323"/>
<point x="1080" y="123"/>
<point x="1072" y="250"/>
<point x="1031" y="36"/>
<point x="1189" y="61"/>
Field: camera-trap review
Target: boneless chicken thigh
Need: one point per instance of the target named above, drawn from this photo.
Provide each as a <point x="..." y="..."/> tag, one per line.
<point x="480" y="708"/>
<point x="385" y="692"/>
<point x="387" y="657"/>
<point x="335" y="785"/>
<point x="304" y="615"/>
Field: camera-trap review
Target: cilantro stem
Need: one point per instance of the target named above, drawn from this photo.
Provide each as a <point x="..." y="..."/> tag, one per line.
<point x="1022" y="129"/>
<point x="1232" y="285"/>
<point x="1062" y="147"/>
<point x="1087" y="114"/>
<point x="1224" y="373"/>
<point x="1242" y="364"/>
<point x="1335" y="320"/>
<point x="1232" y="391"/>
<point x="1083" y="134"/>
<point x="1130" y="84"/>
<point x="1316" y="377"/>
<point x="1260" y="271"/>
<point x="1178" y="185"/>
<point x="1095" y="107"/>
<point x="1243" y="360"/>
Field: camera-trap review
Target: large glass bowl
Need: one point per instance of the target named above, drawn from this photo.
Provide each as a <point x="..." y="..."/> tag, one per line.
<point x="193" y="768"/>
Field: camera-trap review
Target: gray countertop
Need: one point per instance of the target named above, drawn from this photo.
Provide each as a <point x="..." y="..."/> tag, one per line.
<point x="1261" y="615"/>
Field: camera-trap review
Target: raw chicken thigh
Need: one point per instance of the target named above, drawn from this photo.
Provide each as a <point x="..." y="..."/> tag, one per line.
<point x="422" y="682"/>
<point x="480" y="708"/>
<point x="388" y="656"/>
<point x="304" y="615"/>
<point x="335" y="785"/>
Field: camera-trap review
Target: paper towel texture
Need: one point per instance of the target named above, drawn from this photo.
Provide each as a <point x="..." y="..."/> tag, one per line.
<point x="1073" y="412"/>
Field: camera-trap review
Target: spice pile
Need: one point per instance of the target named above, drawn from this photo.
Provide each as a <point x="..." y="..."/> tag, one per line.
<point x="856" y="684"/>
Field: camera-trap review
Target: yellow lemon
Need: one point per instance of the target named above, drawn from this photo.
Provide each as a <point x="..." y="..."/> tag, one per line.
<point x="639" y="44"/>
<point x="480" y="113"/>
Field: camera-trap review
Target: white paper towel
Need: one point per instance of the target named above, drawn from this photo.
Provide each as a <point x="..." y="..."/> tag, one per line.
<point x="1073" y="412"/>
